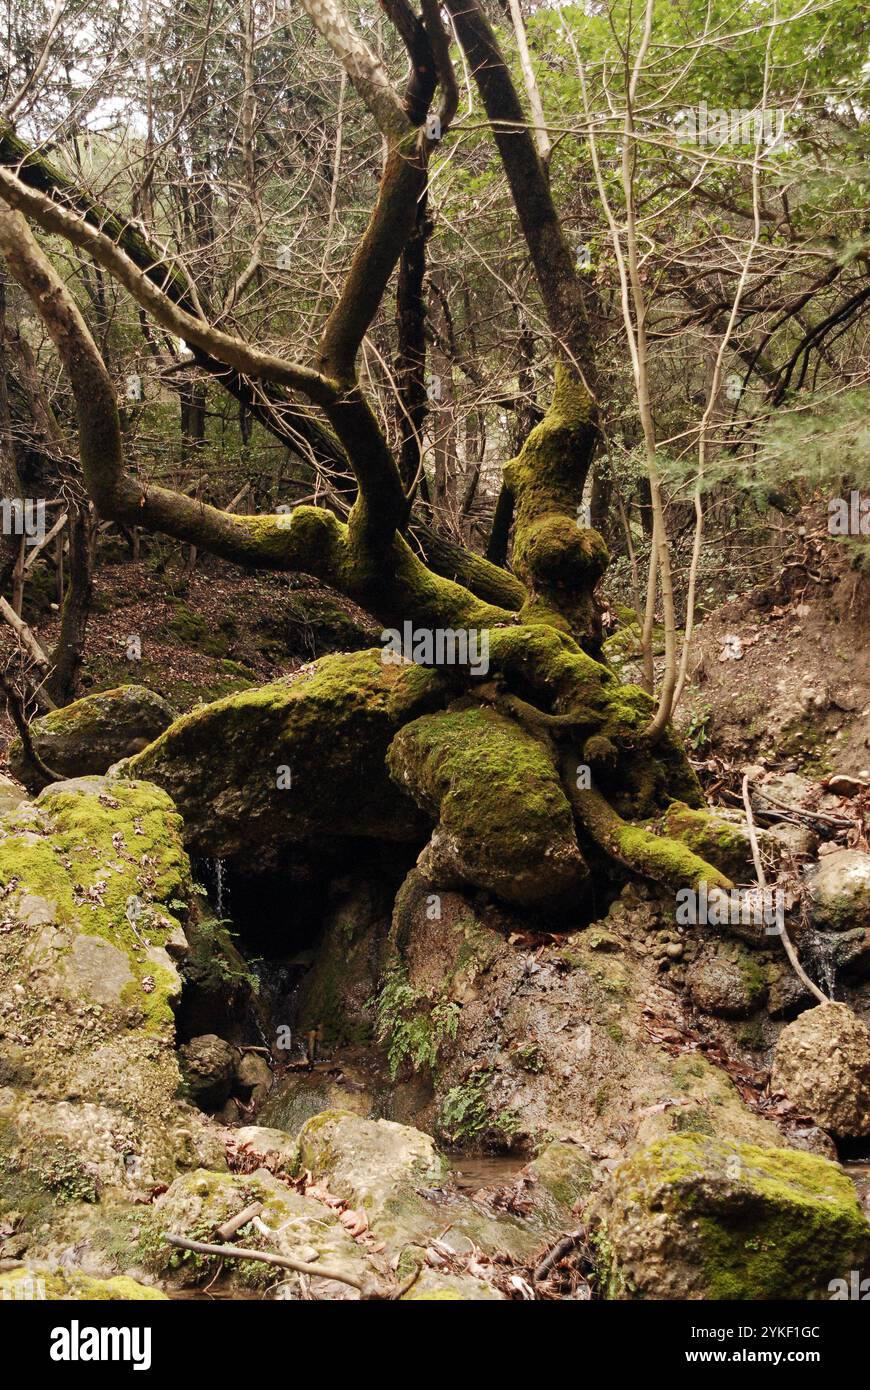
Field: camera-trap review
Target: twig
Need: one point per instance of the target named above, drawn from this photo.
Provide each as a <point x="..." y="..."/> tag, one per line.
<point x="368" y="1288"/>
<point x="762" y="883"/>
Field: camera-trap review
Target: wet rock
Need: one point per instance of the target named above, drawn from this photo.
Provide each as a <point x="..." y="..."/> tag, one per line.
<point x="696" y="1217"/>
<point x="788" y="996"/>
<point x="728" y="984"/>
<point x="840" y="890"/>
<point x="208" y="1065"/>
<point x="564" y="1172"/>
<point x="91" y="734"/>
<point x="822" y="1064"/>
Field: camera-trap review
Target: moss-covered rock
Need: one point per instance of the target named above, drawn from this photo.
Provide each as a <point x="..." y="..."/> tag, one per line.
<point x="696" y="1217"/>
<point x="840" y="890"/>
<point x="301" y="758"/>
<point x="91" y="734"/>
<point x="69" y="1285"/>
<point x="504" y="822"/>
<point x="94" y="881"/>
<point x="720" y="842"/>
<point x="727" y="982"/>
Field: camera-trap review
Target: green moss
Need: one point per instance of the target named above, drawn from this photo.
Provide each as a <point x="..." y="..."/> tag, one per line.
<point x="72" y="1285"/>
<point x="715" y="840"/>
<point x="96" y="847"/>
<point x="330" y="724"/>
<point x="503" y="817"/>
<point x="764" y="1223"/>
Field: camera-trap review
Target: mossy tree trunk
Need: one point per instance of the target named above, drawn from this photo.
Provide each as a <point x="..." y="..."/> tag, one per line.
<point x="542" y="620"/>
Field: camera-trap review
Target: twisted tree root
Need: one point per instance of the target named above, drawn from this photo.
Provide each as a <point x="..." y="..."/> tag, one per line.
<point x="657" y="857"/>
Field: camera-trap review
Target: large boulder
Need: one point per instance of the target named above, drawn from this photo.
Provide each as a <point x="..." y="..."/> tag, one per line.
<point x="93" y="876"/>
<point x="692" y="1216"/>
<point x="822" y="1064"/>
<point x="91" y="734"/>
<point x="297" y="760"/>
<point x="840" y="890"/>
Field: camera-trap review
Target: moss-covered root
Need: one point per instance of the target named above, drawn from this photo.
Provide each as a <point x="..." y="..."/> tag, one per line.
<point x="558" y="558"/>
<point x="504" y="822"/>
<point x="667" y="861"/>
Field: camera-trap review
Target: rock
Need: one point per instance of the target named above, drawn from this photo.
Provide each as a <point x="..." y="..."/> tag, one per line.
<point x="840" y="890"/>
<point x="98" y="970"/>
<point x="11" y="795"/>
<point x="91" y="734"/>
<point x="368" y="1161"/>
<point x="299" y="1226"/>
<point x="253" y="1074"/>
<point x="728" y="984"/>
<point x="798" y="840"/>
<point x="788" y="996"/>
<point x="90" y="1119"/>
<point x="851" y="953"/>
<point x="721" y="840"/>
<point x="328" y="726"/>
<point x="71" y="1285"/>
<point x="276" y="1148"/>
<point x="301" y="1095"/>
<point x="564" y="1172"/>
<point x="822" y="1064"/>
<point x="840" y="785"/>
<point x="691" y="1216"/>
<point x="787" y="789"/>
<point x="208" y="1065"/>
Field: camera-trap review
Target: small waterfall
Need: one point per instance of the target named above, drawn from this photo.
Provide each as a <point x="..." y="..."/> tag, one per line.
<point x="821" y="960"/>
<point x="221" y="888"/>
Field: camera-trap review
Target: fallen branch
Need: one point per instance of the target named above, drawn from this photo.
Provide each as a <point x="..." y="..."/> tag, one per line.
<point x="369" y="1288"/>
<point x="552" y="1257"/>
<point x="16" y="712"/>
<point x="762" y="883"/>
<point x="235" y="1223"/>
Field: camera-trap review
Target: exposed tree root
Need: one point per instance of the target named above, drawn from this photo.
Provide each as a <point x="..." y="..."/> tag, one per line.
<point x="655" y="856"/>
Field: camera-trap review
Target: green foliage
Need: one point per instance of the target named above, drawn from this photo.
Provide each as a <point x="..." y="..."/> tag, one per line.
<point x="413" y="1029"/>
